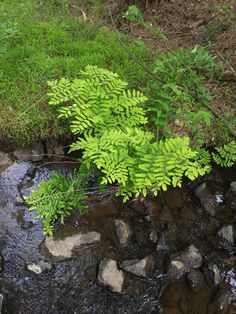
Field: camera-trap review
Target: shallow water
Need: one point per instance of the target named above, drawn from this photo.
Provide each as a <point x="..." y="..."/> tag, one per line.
<point x="71" y="286"/>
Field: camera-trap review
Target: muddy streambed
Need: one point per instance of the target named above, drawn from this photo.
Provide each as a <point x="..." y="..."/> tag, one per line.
<point x="180" y="248"/>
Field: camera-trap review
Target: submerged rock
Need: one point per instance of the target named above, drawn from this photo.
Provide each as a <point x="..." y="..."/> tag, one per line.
<point x="227" y="234"/>
<point x="64" y="248"/>
<point x="110" y="276"/>
<point x="34" y="152"/>
<point x="206" y="199"/>
<point x="213" y="274"/>
<point x="183" y="263"/>
<point x="123" y="232"/>
<point x="135" y="266"/>
<point x="195" y="279"/>
<point x="40" y="267"/>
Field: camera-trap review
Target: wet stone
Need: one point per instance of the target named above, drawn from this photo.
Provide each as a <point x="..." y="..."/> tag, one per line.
<point x="153" y="237"/>
<point x="136" y="267"/>
<point x="226" y="234"/>
<point x="195" y="279"/>
<point x="34" y="152"/>
<point x="232" y="188"/>
<point x="19" y="200"/>
<point x="64" y="248"/>
<point x="213" y="274"/>
<point x="40" y="267"/>
<point x="123" y="232"/>
<point x="206" y="199"/>
<point x="110" y="276"/>
<point x="162" y="245"/>
<point x="54" y="150"/>
<point x="5" y="160"/>
<point x="166" y="214"/>
<point x="183" y="263"/>
<point x="26" y="225"/>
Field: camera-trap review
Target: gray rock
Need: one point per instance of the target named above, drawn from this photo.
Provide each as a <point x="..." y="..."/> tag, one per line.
<point x="5" y="160"/>
<point x="54" y="150"/>
<point x="183" y="263"/>
<point x="232" y="188"/>
<point x="226" y="233"/>
<point x="206" y="199"/>
<point x="1" y="301"/>
<point x="110" y="276"/>
<point x="153" y="237"/>
<point x="195" y="279"/>
<point x="214" y="274"/>
<point x="19" y="200"/>
<point x="162" y="245"/>
<point x="123" y="232"/>
<point x="40" y="267"/>
<point x="64" y="248"/>
<point x="34" y="152"/>
<point x="135" y="266"/>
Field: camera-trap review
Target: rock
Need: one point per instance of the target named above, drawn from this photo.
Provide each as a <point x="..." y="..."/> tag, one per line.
<point x="40" y="267"/>
<point x="34" y="152"/>
<point x="226" y="234"/>
<point x="153" y="237"/>
<point x="195" y="279"/>
<point x="110" y="276"/>
<point x="166" y="214"/>
<point x="5" y="160"/>
<point x="213" y="273"/>
<point x="1" y="301"/>
<point x="26" y="225"/>
<point x="206" y="199"/>
<point x="162" y="245"/>
<point x="183" y="263"/>
<point x="19" y="200"/>
<point x="64" y="248"/>
<point x="135" y="266"/>
<point x="123" y="232"/>
<point x="54" y="150"/>
<point x="173" y="198"/>
<point x="232" y="187"/>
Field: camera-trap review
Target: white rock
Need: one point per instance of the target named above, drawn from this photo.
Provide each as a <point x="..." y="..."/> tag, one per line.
<point x="110" y="276"/>
<point x="65" y="247"/>
<point x="40" y="267"/>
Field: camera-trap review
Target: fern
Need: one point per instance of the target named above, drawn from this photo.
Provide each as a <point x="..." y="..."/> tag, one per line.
<point x="97" y="102"/>
<point x="54" y="199"/>
<point x="131" y="160"/>
<point x="225" y="155"/>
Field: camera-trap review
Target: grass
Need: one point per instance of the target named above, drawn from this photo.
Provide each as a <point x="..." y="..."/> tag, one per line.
<point x="40" y="41"/>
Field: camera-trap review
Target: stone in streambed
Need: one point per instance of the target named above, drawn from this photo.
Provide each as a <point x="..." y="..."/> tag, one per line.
<point x="226" y="234"/>
<point x="1" y="301"/>
<point x="40" y="267"/>
<point x="184" y="262"/>
<point x="123" y="232"/>
<point x="135" y="266"/>
<point x="110" y="276"/>
<point x="206" y="199"/>
<point x="195" y="279"/>
<point x="64" y="248"/>
<point x="34" y="152"/>
<point x="5" y="160"/>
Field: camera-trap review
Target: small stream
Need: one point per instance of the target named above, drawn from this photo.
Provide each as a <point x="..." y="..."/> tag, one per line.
<point x="162" y="229"/>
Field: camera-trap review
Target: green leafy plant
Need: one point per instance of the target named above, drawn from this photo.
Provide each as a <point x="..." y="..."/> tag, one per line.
<point x="56" y="198"/>
<point x="134" y="14"/>
<point x="136" y="163"/>
<point x="98" y="101"/>
<point x="181" y="94"/>
<point x="225" y="156"/>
